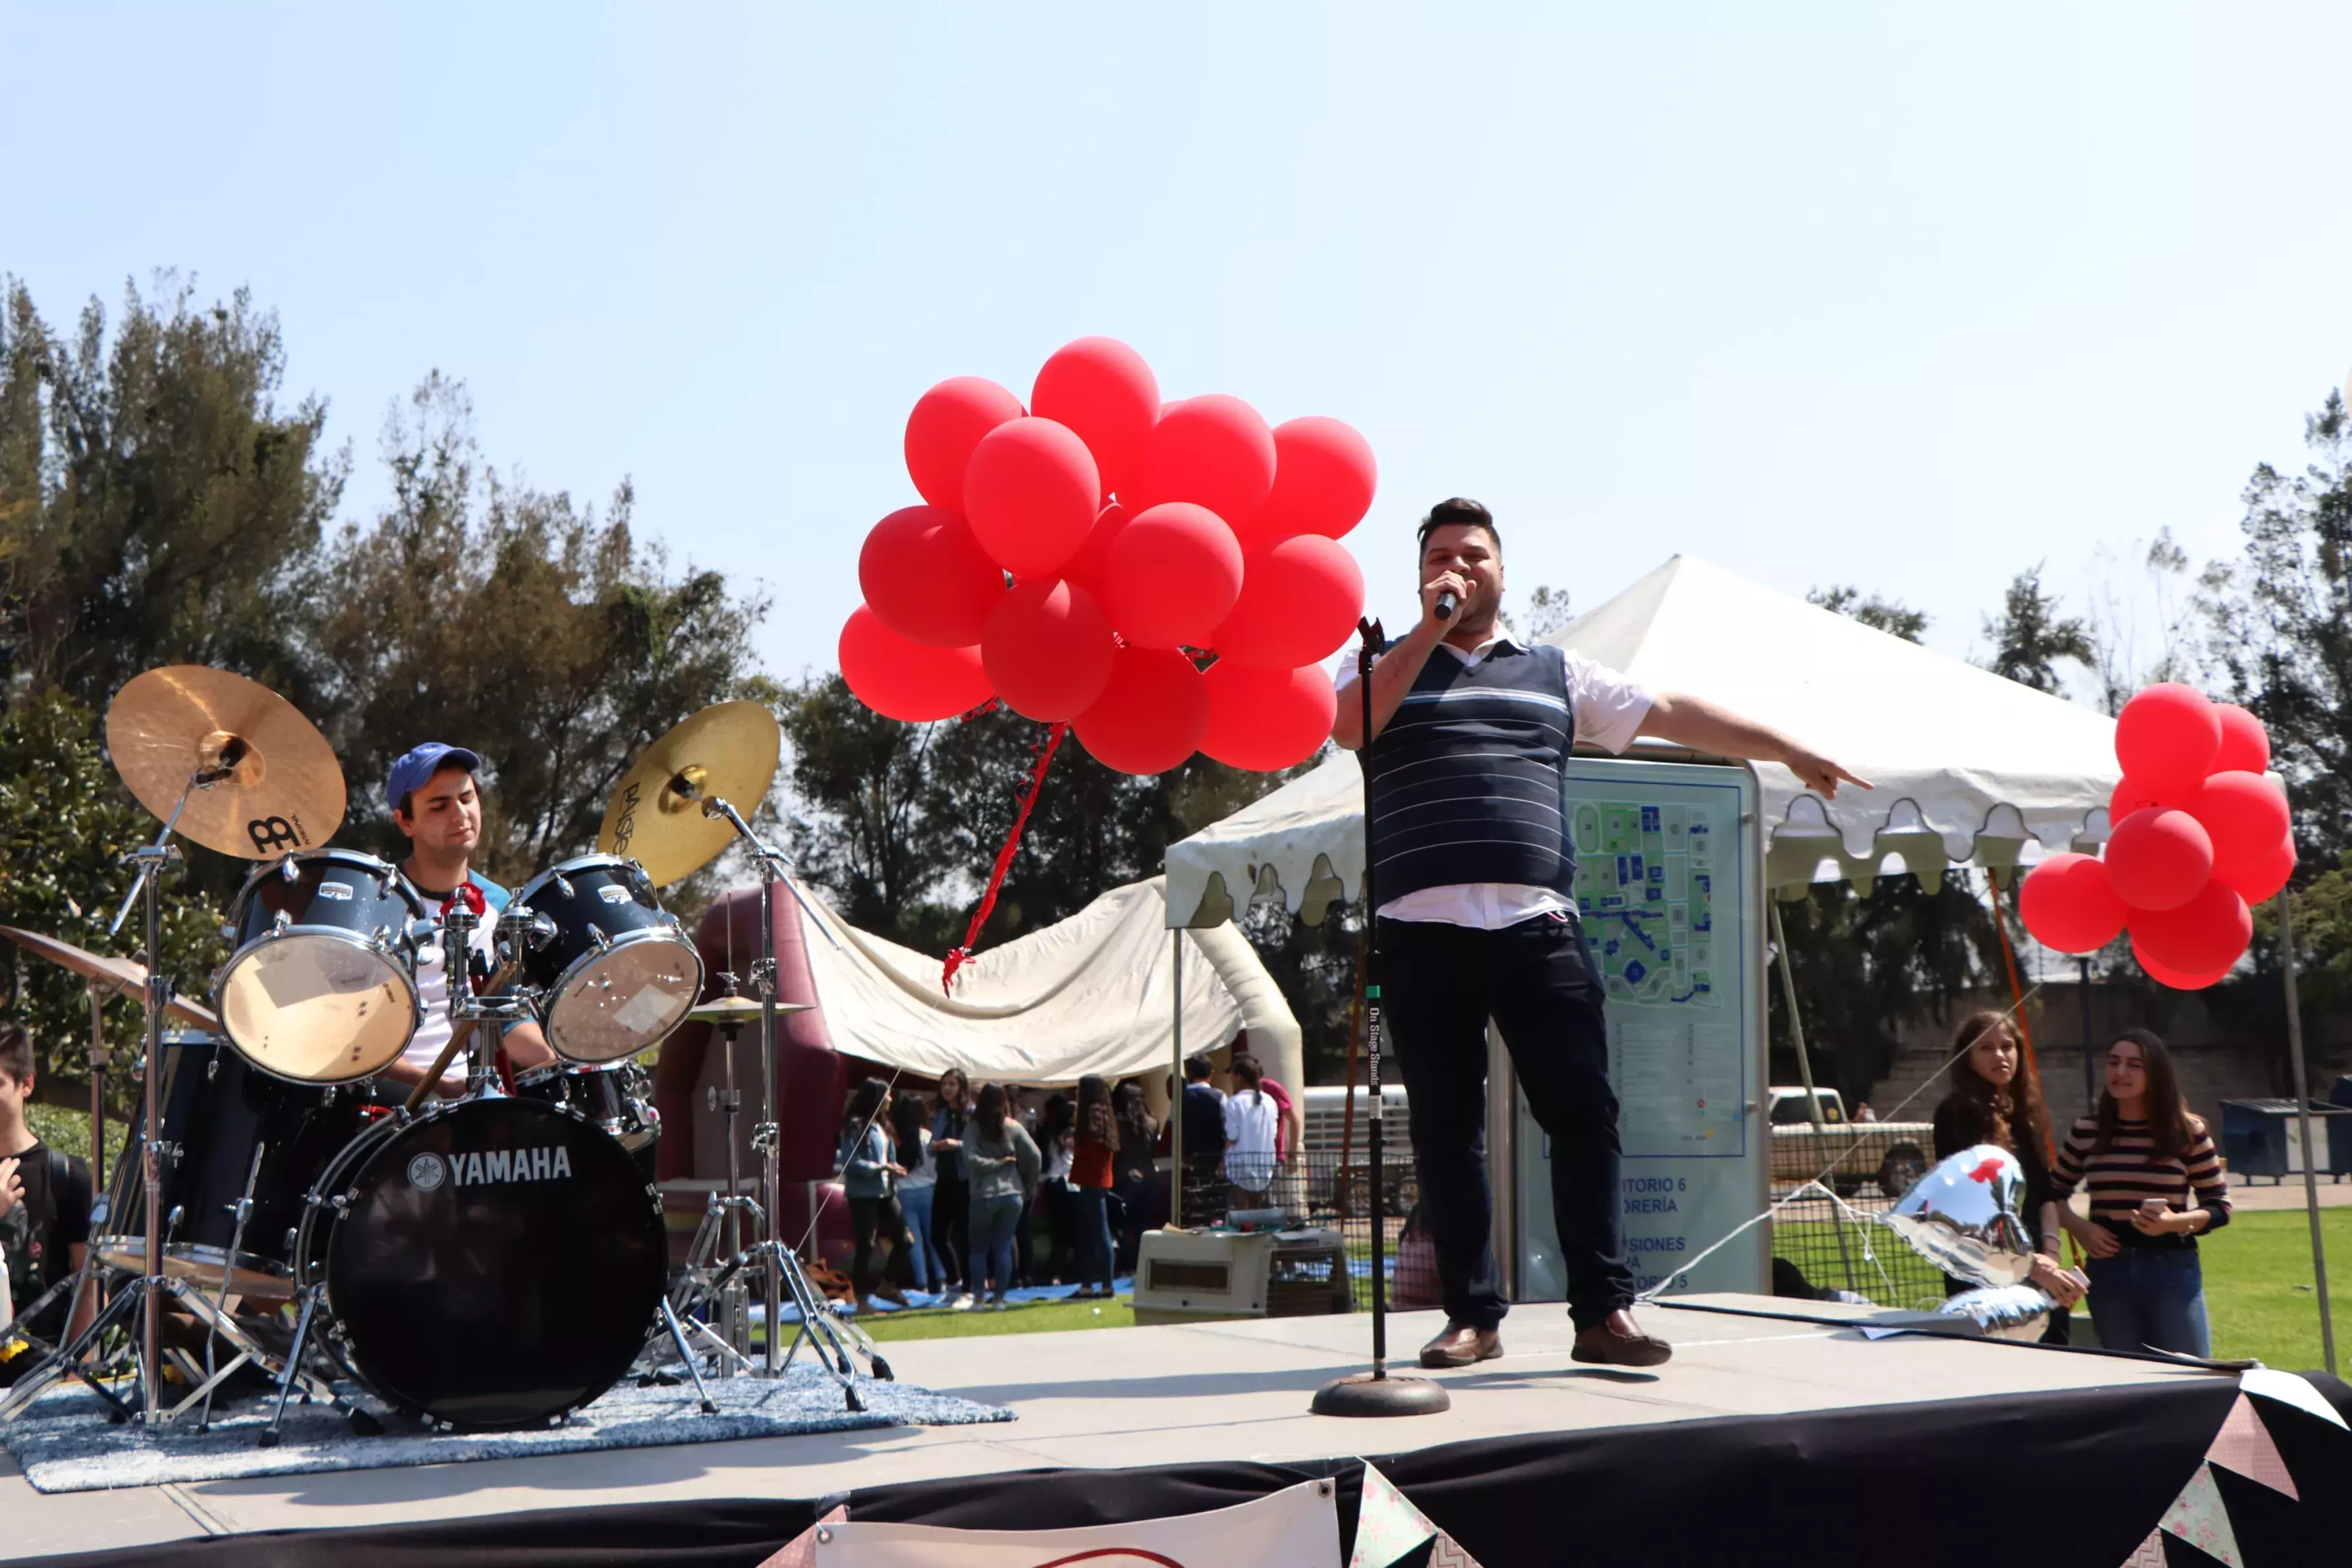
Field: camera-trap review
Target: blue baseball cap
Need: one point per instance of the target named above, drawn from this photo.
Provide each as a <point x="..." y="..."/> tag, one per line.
<point x="417" y="765"/>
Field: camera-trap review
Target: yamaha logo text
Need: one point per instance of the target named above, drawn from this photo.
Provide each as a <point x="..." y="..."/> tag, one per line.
<point x="475" y="1168"/>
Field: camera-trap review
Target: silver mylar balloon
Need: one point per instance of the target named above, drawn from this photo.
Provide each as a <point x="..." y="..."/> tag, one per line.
<point x="1966" y="1216"/>
<point x="2003" y="1312"/>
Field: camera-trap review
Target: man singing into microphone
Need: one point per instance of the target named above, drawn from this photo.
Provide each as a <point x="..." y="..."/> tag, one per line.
<point x="1478" y="920"/>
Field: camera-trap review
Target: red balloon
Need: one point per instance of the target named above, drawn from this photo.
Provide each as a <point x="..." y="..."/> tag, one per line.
<point x="2132" y="795"/>
<point x="1324" y="479"/>
<point x="1266" y="720"/>
<point x="1174" y="574"/>
<point x="1031" y="492"/>
<point x="2165" y="975"/>
<point x="1102" y="389"/>
<point x="928" y="578"/>
<point x="2246" y="815"/>
<point x="1300" y="598"/>
<point x="2068" y="905"/>
<point x="902" y="679"/>
<point x="1090" y="567"/>
<point x="2205" y="934"/>
<point x="1150" y="716"/>
<point x="2167" y="736"/>
<point x="2158" y="860"/>
<point x="1047" y="650"/>
<point x="947" y="424"/>
<point x="1213" y="451"/>
<point x="2245" y="744"/>
<point x="2262" y="875"/>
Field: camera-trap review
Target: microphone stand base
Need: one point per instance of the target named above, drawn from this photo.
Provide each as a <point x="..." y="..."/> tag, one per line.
<point x="1370" y="1394"/>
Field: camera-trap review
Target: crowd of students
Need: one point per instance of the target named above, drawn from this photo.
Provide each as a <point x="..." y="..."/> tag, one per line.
<point x="948" y="1192"/>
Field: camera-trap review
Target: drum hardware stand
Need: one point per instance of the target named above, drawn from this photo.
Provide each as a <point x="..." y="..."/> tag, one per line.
<point x="832" y="1339"/>
<point x="723" y="1218"/>
<point x="243" y="1212"/>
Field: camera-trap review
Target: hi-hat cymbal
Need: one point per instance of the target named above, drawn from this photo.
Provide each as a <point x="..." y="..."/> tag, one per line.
<point x="727" y="752"/>
<point x="282" y="789"/>
<point x="726" y="1010"/>
<point x="118" y="974"/>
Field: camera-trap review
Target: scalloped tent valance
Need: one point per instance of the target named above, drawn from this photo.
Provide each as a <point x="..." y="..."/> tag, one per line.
<point x="1969" y="768"/>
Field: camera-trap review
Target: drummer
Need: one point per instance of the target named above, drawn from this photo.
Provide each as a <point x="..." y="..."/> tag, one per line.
<point x="436" y="804"/>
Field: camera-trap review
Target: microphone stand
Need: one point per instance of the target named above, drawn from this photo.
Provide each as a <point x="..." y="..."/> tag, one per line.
<point x="1375" y="1393"/>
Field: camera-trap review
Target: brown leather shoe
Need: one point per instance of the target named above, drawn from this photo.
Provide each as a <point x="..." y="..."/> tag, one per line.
<point x="1617" y="1341"/>
<point x="1462" y="1345"/>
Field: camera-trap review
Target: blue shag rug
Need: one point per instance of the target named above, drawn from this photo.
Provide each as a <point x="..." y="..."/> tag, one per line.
<point x="65" y="1444"/>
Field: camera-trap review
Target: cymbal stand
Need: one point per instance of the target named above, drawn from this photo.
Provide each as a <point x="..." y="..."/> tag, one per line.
<point x="152" y="860"/>
<point x="831" y="1338"/>
<point x="722" y="1224"/>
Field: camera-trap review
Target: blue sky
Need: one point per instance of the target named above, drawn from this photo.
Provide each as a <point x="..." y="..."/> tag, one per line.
<point x="1902" y="295"/>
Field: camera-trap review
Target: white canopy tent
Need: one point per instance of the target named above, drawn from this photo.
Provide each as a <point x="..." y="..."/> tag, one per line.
<point x="1968" y="767"/>
<point x="1097" y="993"/>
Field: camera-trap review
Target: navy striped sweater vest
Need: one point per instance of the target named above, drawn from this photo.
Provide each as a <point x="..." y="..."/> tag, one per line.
<point x="1467" y="779"/>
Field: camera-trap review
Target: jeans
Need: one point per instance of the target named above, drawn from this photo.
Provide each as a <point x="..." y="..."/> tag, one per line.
<point x="2149" y="1298"/>
<point x="870" y="1217"/>
<point x="1062" y="1219"/>
<point x="951" y="1235"/>
<point x="926" y="1271"/>
<point x="1442" y="984"/>
<point x="992" y="1221"/>
<point x="1091" y="1213"/>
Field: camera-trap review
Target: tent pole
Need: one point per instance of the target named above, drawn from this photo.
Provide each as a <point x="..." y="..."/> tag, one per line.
<point x="2302" y="1120"/>
<point x="1805" y="1071"/>
<point x="1176" y="1100"/>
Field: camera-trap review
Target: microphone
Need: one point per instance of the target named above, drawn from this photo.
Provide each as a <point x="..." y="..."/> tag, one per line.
<point x="1446" y="604"/>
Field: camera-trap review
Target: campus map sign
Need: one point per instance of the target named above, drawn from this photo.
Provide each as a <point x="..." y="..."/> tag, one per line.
<point x="1666" y="888"/>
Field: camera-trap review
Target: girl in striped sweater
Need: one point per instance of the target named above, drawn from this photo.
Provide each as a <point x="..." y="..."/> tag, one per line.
<point x="2155" y="1182"/>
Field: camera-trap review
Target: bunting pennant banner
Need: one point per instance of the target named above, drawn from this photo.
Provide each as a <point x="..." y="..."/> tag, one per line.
<point x="1387" y="1527"/>
<point x="2268" y="1383"/>
<point x="801" y="1551"/>
<point x="1298" y="1527"/>
<point x="2244" y="1447"/>
<point x="2197" y="1516"/>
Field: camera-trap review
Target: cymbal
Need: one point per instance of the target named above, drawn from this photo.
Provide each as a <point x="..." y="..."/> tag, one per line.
<point x="725" y="1010"/>
<point x="728" y="751"/>
<point x="118" y="974"/>
<point x="284" y="790"/>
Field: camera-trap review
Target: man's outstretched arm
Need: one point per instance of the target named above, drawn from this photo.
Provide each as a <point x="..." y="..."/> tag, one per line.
<point x="1705" y="726"/>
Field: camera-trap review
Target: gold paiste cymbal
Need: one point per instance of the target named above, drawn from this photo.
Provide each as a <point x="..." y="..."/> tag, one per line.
<point x="118" y="974"/>
<point x="728" y="751"/>
<point x="284" y="789"/>
<point x="724" y="1010"/>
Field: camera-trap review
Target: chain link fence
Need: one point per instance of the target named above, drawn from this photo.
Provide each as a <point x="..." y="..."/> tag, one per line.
<point x="1822" y="1250"/>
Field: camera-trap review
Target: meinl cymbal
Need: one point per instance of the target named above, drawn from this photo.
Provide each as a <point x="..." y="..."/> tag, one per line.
<point x="120" y="975"/>
<point x="281" y="789"/>
<point x="738" y="1010"/>
<point x="727" y="751"/>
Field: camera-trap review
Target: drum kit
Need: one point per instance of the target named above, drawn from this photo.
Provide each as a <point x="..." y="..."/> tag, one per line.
<point x="489" y="1261"/>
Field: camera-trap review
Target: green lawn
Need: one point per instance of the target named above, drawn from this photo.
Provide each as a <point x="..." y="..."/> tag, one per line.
<point x="2258" y="1287"/>
<point x="1043" y="1317"/>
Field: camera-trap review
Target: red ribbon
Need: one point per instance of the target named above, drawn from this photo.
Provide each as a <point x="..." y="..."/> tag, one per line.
<point x="480" y="906"/>
<point x="955" y="959"/>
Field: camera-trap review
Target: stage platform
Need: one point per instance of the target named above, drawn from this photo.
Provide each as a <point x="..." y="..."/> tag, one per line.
<point x="1235" y="1394"/>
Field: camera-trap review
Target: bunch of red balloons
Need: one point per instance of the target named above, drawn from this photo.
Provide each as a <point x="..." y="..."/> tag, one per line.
<point x="1073" y="559"/>
<point x="2199" y="834"/>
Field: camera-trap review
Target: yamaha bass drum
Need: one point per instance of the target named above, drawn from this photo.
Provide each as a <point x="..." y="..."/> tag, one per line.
<point x="492" y="1263"/>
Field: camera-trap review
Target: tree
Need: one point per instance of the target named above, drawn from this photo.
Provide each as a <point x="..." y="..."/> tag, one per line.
<point x="156" y="506"/>
<point x="1889" y="616"/>
<point x="2279" y="626"/>
<point x="1545" y="612"/>
<point x="511" y="620"/>
<point x="2030" y="635"/>
<point x="2122" y="663"/>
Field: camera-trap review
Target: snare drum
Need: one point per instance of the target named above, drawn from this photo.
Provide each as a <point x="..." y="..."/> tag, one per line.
<point x="617" y="974"/>
<point x="615" y="1095"/>
<point x="322" y="986"/>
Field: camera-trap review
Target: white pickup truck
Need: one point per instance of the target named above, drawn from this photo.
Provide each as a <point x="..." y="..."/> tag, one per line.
<point x="1893" y="1153"/>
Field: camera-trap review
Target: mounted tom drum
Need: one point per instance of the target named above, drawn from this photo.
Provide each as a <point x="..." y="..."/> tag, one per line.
<point x="322" y="986"/>
<point x="617" y="974"/>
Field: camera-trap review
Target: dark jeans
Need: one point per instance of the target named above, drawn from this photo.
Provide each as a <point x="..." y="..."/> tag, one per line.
<point x="1061" y="1265"/>
<point x="950" y="1222"/>
<point x="1440" y="983"/>
<point x="869" y="1217"/>
<point x="2149" y="1298"/>
<point x="992" y="1220"/>
<point x="1090" y="1215"/>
